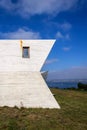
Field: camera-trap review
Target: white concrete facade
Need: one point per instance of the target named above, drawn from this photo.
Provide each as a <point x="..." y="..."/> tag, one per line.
<point x="11" y="54"/>
<point x="21" y="83"/>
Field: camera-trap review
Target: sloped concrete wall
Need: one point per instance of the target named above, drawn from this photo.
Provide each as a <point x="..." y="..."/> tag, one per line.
<point x="21" y="83"/>
<point x="25" y="89"/>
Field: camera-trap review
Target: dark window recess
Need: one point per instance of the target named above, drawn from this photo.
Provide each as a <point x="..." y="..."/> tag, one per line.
<point x="25" y="52"/>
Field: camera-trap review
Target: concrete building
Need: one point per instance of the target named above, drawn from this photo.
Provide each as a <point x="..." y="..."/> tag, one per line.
<point x="21" y="83"/>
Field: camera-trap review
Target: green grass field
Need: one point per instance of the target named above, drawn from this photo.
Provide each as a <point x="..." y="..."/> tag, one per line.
<point x="71" y="116"/>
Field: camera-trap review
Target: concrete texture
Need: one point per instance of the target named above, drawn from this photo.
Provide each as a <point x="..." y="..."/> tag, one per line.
<point x="25" y="89"/>
<point x="11" y="54"/>
<point x="21" y="83"/>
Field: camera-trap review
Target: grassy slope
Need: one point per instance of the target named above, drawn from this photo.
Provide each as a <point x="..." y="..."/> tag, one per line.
<point x="71" y="116"/>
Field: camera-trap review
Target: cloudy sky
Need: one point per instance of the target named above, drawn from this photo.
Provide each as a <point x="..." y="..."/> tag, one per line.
<point x="63" y="20"/>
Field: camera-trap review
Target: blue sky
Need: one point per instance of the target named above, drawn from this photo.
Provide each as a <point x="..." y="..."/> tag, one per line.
<point x="63" y="20"/>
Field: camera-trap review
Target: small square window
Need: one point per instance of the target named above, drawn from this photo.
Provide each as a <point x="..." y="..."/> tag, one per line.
<point x="25" y="52"/>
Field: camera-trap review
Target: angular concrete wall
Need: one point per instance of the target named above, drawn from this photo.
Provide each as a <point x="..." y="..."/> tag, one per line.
<point x="21" y="83"/>
<point x="25" y="89"/>
<point x="11" y="54"/>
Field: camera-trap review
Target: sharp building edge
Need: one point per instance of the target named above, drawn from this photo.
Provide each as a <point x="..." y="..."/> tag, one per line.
<point x="21" y="83"/>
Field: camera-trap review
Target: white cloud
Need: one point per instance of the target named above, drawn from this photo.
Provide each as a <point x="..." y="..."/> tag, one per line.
<point x="32" y="7"/>
<point x="20" y="34"/>
<point x="65" y="26"/>
<point x="72" y="73"/>
<point x="62" y="36"/>
<point x="7" y="4"/>
<point x="51" y="61"/>
<point x="66" y="48"/>
<point x="59" y="35"/>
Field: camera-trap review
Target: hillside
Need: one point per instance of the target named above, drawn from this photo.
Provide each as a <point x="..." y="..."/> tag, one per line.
<point x="71" y="116"/>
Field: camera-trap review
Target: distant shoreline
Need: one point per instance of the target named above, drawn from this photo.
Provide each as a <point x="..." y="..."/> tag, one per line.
<point x="65" y="83"/>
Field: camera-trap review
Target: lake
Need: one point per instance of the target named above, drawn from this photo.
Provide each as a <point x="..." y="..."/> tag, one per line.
<point x="65" y="83"/>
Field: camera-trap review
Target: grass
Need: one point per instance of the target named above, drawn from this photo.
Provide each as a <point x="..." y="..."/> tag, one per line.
<point x="71" y="116"/>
